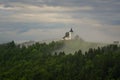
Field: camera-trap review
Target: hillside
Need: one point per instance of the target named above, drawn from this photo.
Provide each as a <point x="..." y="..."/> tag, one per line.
<point x="70" y="46"/>
<point x="37" y="63"/>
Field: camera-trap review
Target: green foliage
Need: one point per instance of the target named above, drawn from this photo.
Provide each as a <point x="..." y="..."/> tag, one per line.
<point x="37" y="62"/>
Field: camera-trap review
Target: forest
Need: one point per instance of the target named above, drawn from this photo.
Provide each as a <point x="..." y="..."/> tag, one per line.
<point x="37" y="62"/>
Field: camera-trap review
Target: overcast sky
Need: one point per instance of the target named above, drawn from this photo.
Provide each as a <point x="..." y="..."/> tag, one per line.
<point x="92" y="20"/>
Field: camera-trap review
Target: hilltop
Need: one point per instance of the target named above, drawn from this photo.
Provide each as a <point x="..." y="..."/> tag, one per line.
<point x="69" y="46"/>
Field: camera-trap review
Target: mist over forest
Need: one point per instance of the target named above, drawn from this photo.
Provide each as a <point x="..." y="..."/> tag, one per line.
<point x="59" y="39"/>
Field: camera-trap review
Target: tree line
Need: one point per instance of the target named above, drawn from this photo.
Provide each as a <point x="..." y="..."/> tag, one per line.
<point x="37" y="62"/>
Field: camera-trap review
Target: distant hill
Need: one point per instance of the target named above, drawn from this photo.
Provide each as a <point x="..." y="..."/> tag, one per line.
<point x="29" y="43"/>
<point x="70" y="46"/>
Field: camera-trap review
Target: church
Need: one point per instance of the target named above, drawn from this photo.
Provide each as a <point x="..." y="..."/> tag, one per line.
<point x="68" y="35"/>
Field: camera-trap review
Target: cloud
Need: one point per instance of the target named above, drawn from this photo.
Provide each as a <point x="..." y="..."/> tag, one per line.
<point x="99" y="19"/>
<point x="3" y="7"/>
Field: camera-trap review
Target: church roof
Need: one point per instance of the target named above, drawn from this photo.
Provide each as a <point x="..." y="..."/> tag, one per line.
<point x="66" y="35"/>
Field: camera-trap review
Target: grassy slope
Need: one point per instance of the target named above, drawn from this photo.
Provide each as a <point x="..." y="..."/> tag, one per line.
<point x="74" y="45"/>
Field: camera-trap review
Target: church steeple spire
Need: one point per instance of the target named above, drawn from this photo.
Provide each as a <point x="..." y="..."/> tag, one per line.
<point x="71" y="30"/>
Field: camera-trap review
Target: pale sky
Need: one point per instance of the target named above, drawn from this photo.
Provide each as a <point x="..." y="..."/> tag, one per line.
<point x="92" y="20"/>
